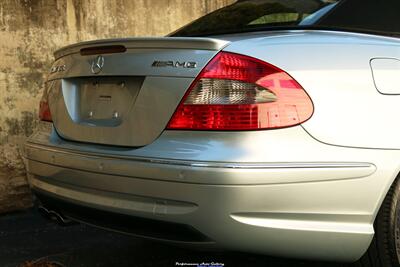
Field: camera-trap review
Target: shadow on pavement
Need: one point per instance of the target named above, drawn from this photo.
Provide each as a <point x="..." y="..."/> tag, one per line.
<point x="27" y="237"/>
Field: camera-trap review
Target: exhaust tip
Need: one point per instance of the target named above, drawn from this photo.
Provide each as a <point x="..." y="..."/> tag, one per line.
<point x="54" y="216"/>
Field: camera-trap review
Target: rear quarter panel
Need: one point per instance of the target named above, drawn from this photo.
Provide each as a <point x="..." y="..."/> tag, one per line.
<point x="334" y="68"/>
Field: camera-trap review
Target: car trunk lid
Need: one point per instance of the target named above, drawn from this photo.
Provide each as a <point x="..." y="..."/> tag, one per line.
<point x="123" y="91"/>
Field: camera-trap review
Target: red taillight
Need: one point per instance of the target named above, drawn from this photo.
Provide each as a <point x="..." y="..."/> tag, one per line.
<point x="44" y="109"/>
<point x="237" y="92"/>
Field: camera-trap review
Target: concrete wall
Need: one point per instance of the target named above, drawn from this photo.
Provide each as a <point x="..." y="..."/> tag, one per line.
<point x="31" y="29"/>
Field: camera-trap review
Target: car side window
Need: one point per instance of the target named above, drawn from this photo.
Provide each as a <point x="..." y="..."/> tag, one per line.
<point x="369" y="15"/>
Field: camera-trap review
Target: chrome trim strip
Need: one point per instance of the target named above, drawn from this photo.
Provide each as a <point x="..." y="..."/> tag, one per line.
<point x="205" y="164"/>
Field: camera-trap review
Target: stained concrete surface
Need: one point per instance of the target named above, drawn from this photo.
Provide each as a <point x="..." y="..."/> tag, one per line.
<point x="26" y="236"/>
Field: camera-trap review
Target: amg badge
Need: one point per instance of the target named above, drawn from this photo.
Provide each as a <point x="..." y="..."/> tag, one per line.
<point x="175" y="64"/>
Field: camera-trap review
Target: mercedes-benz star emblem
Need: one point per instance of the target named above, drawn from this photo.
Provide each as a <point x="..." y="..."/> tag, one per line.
<point x="97" y="64"/>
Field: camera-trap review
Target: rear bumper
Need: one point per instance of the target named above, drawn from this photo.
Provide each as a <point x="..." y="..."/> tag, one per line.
<point x="320" y="210"/>
<point x="234" y="217"/>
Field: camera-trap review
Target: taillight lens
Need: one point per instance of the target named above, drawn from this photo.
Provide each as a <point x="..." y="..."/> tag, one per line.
<point x="44" y="109"/>
<point x="237" y="92"/>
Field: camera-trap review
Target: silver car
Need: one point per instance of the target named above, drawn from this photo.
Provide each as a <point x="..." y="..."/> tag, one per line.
<point x="268" y="126"/>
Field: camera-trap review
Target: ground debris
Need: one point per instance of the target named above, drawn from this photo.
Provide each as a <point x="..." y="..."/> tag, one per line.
<point x="42" y="262"/>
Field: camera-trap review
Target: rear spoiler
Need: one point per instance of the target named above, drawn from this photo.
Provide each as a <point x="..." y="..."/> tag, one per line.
<point x="149" y="42"/>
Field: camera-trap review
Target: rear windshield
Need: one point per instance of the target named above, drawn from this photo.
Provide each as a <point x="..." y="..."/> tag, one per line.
<point x="376" y="16"/>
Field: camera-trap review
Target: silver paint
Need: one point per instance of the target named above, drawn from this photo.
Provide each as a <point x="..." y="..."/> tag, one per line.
<point x="310" y="191"/>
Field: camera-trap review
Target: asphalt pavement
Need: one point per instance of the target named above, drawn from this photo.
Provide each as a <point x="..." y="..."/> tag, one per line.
<point x="27" y="237"/>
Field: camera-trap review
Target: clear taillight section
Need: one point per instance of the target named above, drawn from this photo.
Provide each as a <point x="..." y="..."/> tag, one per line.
<point x="44" y="109"/>
<point x="228" y="92"/>
<point x="237" y="92"/>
